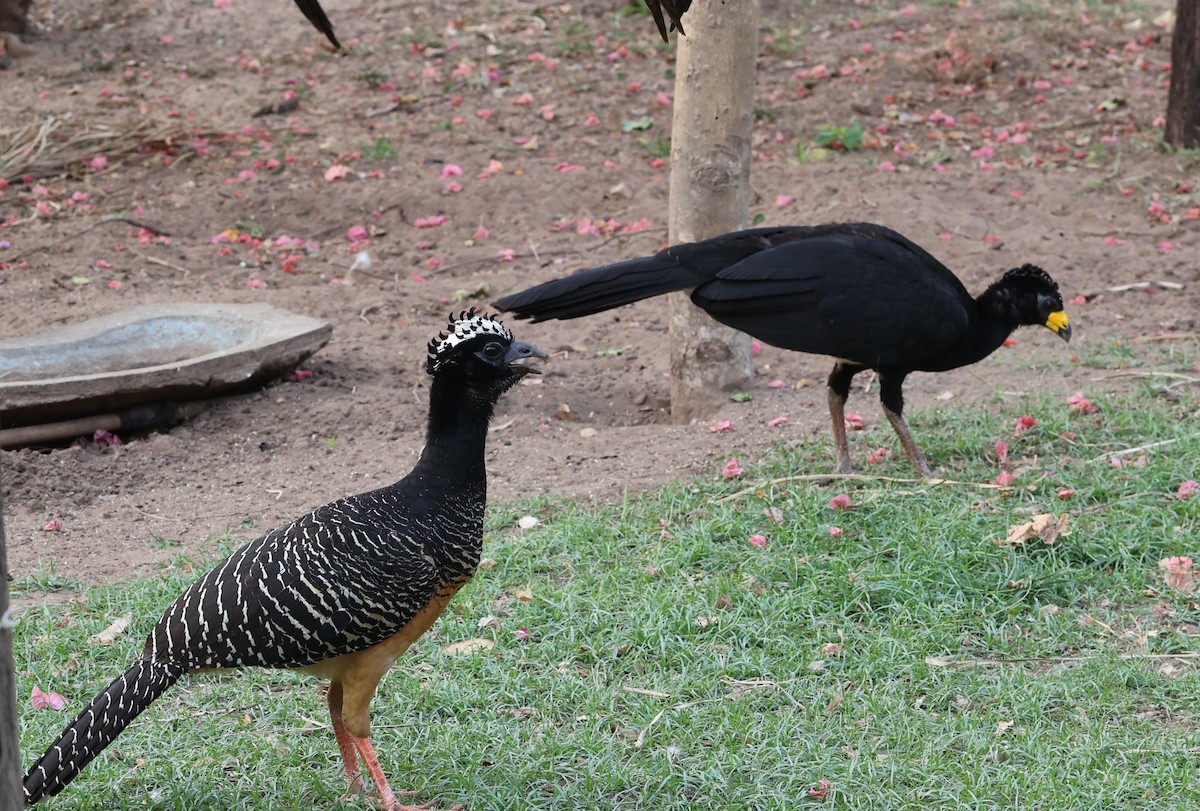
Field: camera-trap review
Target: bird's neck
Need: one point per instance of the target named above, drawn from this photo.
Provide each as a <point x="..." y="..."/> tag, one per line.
<point x="995" y="321"/>
<point x="455" y="437"/>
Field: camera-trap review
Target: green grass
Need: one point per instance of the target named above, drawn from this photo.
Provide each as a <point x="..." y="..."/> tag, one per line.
<point x="747" y="707"/>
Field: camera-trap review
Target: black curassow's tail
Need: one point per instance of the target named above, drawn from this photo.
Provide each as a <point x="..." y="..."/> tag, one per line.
<point x="98" y="725"/>
<point x="599" y="289"/>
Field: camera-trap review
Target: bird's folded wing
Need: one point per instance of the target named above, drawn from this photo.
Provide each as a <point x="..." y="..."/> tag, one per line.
<point x="298" y="595"/>
<point x="844" y="295"/>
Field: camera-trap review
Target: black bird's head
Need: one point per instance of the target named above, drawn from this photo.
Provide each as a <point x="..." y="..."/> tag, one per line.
<point x="1036" y="299"/>
<point x="481" y="352"/>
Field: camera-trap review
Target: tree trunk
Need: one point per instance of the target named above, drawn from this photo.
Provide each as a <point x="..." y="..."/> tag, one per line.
<point x="1183" y="100"/>
<point x="14" y="16"/>
<point x="11" y="797"/>
<point x="710" y="188"/>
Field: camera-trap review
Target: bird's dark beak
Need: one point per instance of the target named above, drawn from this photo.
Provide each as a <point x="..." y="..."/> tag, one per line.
<point x="1059" y="324"/>
<point x="520" y="354"/>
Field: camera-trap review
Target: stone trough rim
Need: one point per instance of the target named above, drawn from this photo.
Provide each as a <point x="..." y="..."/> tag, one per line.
<point x="276" y="341"/>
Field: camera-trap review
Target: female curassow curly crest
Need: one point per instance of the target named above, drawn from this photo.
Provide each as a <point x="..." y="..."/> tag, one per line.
<point x="343" y="591"/>
<point x="858" y="292"/>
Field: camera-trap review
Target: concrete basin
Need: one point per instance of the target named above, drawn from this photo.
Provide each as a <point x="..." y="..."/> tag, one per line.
<point x="150" y="353"/>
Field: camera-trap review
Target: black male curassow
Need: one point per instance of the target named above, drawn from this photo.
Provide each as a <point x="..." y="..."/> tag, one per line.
<point x="858" y="292"/>
<point x="340" y="593"/>
<point x="673" y="9"/>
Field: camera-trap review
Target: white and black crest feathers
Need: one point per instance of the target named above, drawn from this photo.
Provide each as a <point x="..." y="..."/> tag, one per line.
<point x="467" y="325"/>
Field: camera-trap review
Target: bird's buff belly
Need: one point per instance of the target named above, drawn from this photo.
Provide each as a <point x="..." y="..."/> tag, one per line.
<point x="379" y="657"/>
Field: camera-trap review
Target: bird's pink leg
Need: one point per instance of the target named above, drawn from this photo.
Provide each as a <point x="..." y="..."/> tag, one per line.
<point x="910" y="445"/>
<point x="837" y="415"/>
<point x="383" y="792"/>
<point x="345" y="741"/>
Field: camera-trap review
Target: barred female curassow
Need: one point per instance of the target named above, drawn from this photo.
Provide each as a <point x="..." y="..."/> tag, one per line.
<point x="343" y="591"/>
<point x="858" y="292"/>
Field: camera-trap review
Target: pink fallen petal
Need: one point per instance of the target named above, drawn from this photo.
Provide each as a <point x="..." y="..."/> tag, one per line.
<point x="777" y="384"/>
<point x="430" y="222"/>
<point x="835" y="532"/>
<point x="1004" y="478"/>
<point x="521" y="634"/>
<point x="878" y="455"/>
<point x="52" y="525"/>
<point x="356" y="233"/>
<point x="1081" y="405"/>
<point x="778" y="421"/>
<point x="840" y="502"/>
<point x="46" y="701"/>
<point x="1178" y="574"/>
<point x="755" y="348"/>
<point x="336" y="172"/>
<point x="105" y="438"/>
<point x="720" y="427"/>
<point x="1187" y="490"/>
<point x="784" y="200"/>
<point x="1065" y="494"/>
<point x="732" y="469"/>
<point x="1002" y="451"/>
<point x="854" y="422"/>
<point x="451" y="170"/>
<point x="1024" y="423"/>
<point x="759" y="541"/>
<point x="1078" y="300"/>
<point x="98" y="162"/>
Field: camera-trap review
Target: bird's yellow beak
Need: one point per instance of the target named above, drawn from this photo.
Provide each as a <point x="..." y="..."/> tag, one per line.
<point x="1059" y="324"/>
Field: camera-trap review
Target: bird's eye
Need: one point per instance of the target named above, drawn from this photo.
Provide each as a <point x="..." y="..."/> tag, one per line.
<point x="493" y="350"/>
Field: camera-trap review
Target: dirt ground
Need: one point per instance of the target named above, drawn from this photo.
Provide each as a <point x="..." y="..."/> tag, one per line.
<point x="471" y="150"/>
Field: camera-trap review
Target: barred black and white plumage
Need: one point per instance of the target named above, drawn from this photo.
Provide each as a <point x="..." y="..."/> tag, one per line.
<point x="99" y="725"/>
<point x="340" y="592"/>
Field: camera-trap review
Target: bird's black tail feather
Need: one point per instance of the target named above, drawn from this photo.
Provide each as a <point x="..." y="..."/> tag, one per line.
<point x="98" y="725"/>
<point x="316" y="15"/>
<point x="603" y="288"/>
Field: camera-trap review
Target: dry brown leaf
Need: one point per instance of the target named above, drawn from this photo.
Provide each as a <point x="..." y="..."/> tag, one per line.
<point x="467" y="647"/>
<point x="1003" y="727"/>
<point x="525" y="593"/>
<point x="1047" y="527"/>
<point x="109" y="634"/>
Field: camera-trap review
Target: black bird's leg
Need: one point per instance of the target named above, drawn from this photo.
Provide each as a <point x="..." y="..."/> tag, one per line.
<point x="891" y="397"/>
<point x="839" y="389"/>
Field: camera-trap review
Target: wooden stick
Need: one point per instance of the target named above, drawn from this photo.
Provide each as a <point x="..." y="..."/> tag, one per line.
<point x="865" y="478"/>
